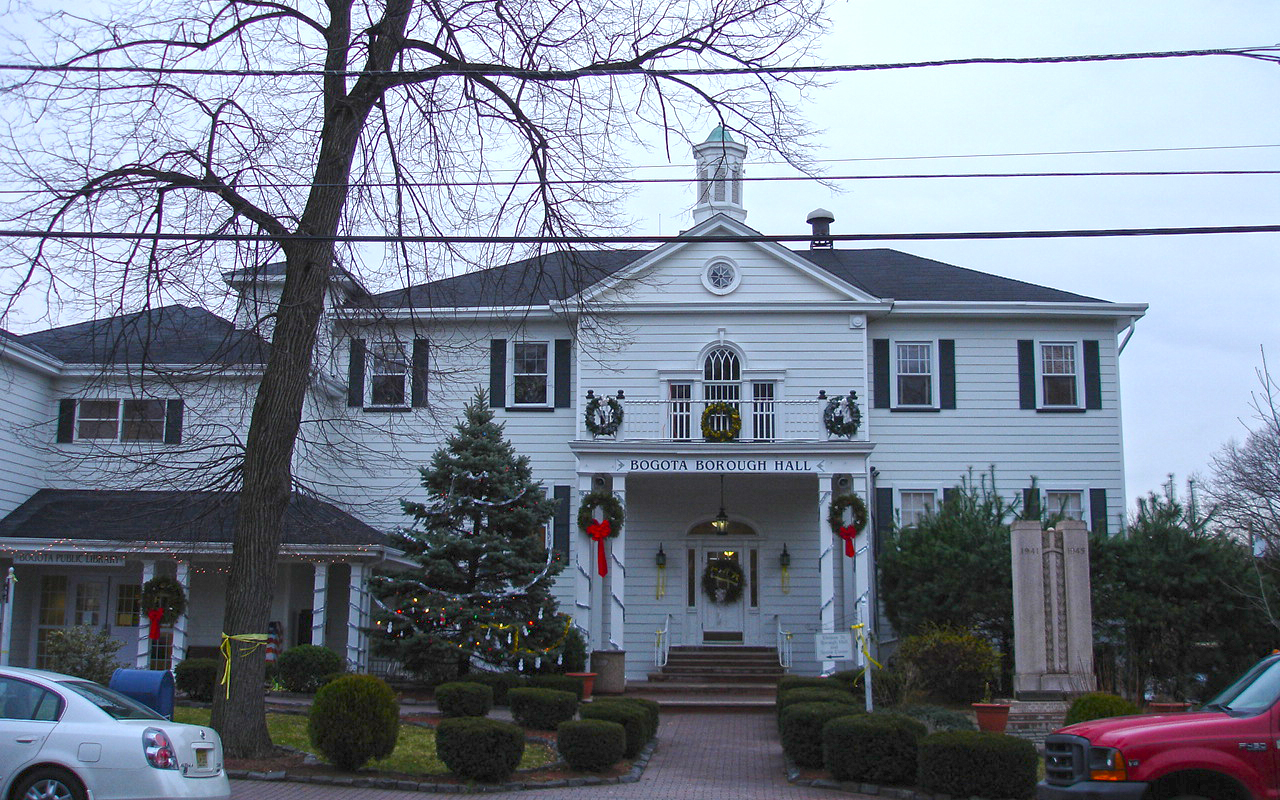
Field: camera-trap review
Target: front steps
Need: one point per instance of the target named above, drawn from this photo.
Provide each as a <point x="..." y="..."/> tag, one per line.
<point x="714" y="678"/>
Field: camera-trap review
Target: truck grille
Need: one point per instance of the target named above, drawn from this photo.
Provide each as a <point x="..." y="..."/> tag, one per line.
<point x="1066" y="759"/>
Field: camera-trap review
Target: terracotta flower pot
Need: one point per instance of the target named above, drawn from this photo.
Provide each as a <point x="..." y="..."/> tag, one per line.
<point x="588" y="682"/>
<point x="992" y="717"/>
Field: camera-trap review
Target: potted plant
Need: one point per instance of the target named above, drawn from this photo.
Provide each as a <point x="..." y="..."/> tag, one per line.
<point x="588" y="682"/>
<point x="992" y="717"/>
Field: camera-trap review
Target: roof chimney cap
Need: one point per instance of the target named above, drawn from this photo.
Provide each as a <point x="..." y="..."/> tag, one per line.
<point x="820" y="219"/>
<point x="820" y="214"/>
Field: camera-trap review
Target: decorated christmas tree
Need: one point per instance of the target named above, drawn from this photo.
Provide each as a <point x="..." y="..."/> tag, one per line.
<point x="481" y="592"/>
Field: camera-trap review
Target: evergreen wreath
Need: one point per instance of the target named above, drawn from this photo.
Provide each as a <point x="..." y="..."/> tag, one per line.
<point x="166" y="593"/>
<point x="835" y="518"/>
<point x="723" y="580"/>
<point x="721" y="410"/>
<point x="842" y="417"/>
<point x="604" y="416"/>
<point x="607" y="503"/>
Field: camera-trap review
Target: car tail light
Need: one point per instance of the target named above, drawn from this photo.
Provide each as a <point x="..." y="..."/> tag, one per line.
<point x="1106" y="764"/>
<point x="158" y="749"/>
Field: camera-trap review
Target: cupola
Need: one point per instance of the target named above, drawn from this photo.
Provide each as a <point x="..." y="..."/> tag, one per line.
<point x="719" y="163"/>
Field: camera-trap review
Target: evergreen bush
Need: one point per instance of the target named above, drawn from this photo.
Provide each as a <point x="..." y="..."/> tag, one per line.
<point x="196" y="677"/>
<point x="954" y="665"/>
<point x="479" y="749"/>
<point x="801" y="729"/>
<point x="542" y="709"/>
<point x="633" y="719"/>
<point x="561" y="683"/>
<point x="464" y="699"/>
<point x="788" y="682"/>
<point x="307" y="667"/>
<point x="872" y="748"/>
<point x="889" y="685"/>
<point x="1098" y="705"/>
<point x="650" y="708"/>
<point x="937" y="718"/>
<point x="816" y="695"/>
<point x="498" y="682"/>
<point x="973" y="764"/>
<point x="353" y="720"/>
<point x="83" y="651"/>
<point x="591" y="744"/>
<point x="574" y="651"/>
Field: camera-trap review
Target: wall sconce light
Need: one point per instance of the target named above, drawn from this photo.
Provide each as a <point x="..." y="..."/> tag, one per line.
<point x="721" y="522"/>
<point x="660" y="587"/>
<point x="784" y="560"/>
<point x="661" y="558"/>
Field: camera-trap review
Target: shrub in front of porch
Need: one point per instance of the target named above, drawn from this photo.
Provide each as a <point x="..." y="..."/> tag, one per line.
<point x="83" y="651"/>
<point x="816" y="695"/>
<point x="561" y="683"/>
<point x="354" y="719"/>
<point x="650" y="708"/>
<point x="872" y="748"/>
<point x="633" y="719"/>
<point x="307" y="667"/>
<point x="591" y="744"/>
<point x="954" y="665"/>
<point x="464" y="699"/>
<point x="499" y="682"/>
<point x="801" y="729"/>
<point x="196" y="678"/>
<point x="542" y="709"/>
<point x="974" y="764"/>
<point x="788" y="682"/>
<point x="479" y="749"/>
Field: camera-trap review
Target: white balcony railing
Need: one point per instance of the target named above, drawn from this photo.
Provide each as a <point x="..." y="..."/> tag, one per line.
<point x="761" y="421"/>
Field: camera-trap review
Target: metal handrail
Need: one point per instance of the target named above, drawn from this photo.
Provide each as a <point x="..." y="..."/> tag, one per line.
<point x="782" y="641"/>
<point x="662" y="644"/>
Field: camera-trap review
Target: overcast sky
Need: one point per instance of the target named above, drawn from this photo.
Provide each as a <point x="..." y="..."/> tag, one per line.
<point x="1187" y="373"/>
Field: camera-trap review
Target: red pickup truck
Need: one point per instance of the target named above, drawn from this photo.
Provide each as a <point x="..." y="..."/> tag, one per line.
<point x="1228" y="749"/>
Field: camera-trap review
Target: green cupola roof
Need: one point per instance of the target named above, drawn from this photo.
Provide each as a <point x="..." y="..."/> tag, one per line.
<point x="719" y="135"/>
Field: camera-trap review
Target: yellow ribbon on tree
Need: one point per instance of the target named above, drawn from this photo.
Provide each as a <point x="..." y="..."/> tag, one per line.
<point x="251" y="642"/>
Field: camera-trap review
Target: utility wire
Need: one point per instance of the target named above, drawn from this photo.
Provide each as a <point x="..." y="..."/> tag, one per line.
<point x="553" y="239"/>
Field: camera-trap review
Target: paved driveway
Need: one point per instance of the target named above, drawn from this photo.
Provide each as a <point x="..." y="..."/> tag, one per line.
<point x="702" y="756"/>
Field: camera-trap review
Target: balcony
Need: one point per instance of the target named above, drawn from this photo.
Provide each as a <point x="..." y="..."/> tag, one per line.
<point x="727" y="421"/>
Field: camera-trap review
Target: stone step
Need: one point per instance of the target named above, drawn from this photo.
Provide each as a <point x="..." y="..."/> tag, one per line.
<point x="722" y="648"/>
<point x="768" y="681"/>
<point x="721" y="689"/>
<point x="720" y="669"/>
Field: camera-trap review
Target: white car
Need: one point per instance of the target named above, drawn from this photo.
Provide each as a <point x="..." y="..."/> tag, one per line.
<point x="65" y="738"/>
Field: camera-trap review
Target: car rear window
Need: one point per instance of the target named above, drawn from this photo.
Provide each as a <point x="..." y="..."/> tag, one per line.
<point x="111" y="701"/>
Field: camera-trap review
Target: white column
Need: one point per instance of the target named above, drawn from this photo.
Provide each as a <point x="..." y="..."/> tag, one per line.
<point x="6" y="618"/>
<point x="595" y="586"/>
<point x="183" y="576"/>
<point x="319" y="594"/>
<point x="826" y="564"/>
<point x="144" y="624"/>
<point x="618" y="572"/>
<point x="356" y="633"/>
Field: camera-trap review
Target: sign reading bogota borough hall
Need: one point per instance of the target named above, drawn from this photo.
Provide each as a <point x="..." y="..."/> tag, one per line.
<point x="721" y="465"/>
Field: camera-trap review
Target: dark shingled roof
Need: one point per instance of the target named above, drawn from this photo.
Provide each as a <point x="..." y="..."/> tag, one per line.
<point x="167" y="335"/>
<point x="172" y="517"/>
<point x="880" y="272"/>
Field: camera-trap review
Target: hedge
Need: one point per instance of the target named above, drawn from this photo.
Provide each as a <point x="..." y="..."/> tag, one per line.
<point x="801" y="728"/>
<point x="464" y="699"/>
<point x="542" y="709"/>
<point x="1097" y="705"/>
<point x="633" y="719"/>
<point x="354" y="719"/>
<point x="499" y="682"/>
<point x="196" y="677"/>
<point x="788" y="682"/>
<point x="806" y="694"/>
<point x="872" y="748"/>
<point x="561" y="683"/>
<point x="479" y="749"/>
<point x="307" y="667"/>
<point x="650" y="708"/>
<point x="591" y="744"/>
<point x="969" y="764"/>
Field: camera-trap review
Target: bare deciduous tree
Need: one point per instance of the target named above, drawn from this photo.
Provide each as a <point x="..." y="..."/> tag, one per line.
<point x="266" y="128"/>
<point x="1245" y="486"/>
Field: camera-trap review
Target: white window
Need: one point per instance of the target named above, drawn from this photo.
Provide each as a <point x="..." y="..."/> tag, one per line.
<point x="681" y="395"/>
<point x="530" y="373"/>
<point x="388" y="375"/>
<point x="915" y="504"/>
<point x="120" y="420"/>
<point x="1059" y="375"/>
<point x="1069" y="504"/>
<point x="721" y="276"/>
<point x="914" y="368"/>
<point x="762" y="419"/>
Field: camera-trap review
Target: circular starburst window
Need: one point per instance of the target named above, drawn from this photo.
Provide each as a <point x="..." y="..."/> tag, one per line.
<point x="721" y="276"/>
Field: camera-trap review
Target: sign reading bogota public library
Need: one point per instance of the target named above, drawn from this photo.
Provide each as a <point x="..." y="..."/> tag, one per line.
<point x="69" y="559"/>
<point x="721" y="465"/>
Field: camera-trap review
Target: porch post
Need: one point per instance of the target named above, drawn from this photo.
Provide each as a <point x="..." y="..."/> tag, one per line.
<point x="356" y="633"/>
<point x="588" y="575"/>
<point x="183" y="575"/>
<point x="618" y="573"/>
<point x="6" y="622"/>
<point x="144" y="625"/>
<point x="826" y="563"/>
<point x="319" y="593"/>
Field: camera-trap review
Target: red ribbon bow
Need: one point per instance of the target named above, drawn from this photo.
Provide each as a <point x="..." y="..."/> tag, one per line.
<point x="155" y="615"/>
<point x="848" y="532"/>
<point x="599" y="531"/>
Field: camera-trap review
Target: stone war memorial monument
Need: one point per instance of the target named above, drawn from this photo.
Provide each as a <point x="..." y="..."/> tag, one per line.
<point x="1052" y="611"/>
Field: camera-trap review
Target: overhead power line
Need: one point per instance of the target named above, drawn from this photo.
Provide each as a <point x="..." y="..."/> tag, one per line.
<point x="644" y="239"/>
<point x="1266" y="53"/>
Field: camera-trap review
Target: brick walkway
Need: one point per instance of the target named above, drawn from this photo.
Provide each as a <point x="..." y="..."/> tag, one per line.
<point x="705" y="756"/>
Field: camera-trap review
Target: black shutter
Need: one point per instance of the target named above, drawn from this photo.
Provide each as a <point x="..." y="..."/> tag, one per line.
<point x="563" y="390"/>
<point x="1092" y="375"/>
<point x="947" y="373"/>
<point x="884" y="510"/>
<point x="66" y="421"/>
<point x="355" y="374"/>
<point x="947" y="495"/>
<point x="1031" y="503"/>
<point x="497" y="373"/>
<point x="420" y="364"/>
<point x="560" y="535"/>
<point x="173" y="422"/>
<point x="880" y="373"/>
<point x="1026" y="373"/>
<point x="1098" y="510"/>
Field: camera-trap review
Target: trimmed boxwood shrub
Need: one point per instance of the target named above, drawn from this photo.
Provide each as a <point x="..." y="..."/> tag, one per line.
<point x="464" y="699"/>
<point x="354" y="719"/>
<point x="561" y="683"/>
<point x="479" y="749"/>
<point x="542" y="709"/>
<point x="789" y="682"/>
<point x="872" y="748"/>
<point x="499" y="682"/>
<point x="633" y="719"/>
<point x="650" y="707"/>
<point x="307" y="667"/>
<point x="1098" y="705"/>
<point x="973" y="764"/>
<point x="801" y="726"/>
<point x="807" y="694"/>
<point x="196" y="677"/>
<point x="937" y="718"/>
<point x="591" y="744"/>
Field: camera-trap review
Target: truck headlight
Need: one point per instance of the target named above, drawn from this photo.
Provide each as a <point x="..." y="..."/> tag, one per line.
<point x="1106" y="764"/>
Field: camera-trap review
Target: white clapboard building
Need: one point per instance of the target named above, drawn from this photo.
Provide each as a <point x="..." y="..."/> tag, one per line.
<point x="727" y="360"/>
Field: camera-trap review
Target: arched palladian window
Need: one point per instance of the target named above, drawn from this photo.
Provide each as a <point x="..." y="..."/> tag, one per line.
<point x="722" y="376"/>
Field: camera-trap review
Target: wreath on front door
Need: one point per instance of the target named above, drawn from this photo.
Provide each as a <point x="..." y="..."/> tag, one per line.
<point x="165" y="594"/>
<point x="723" y="580"/>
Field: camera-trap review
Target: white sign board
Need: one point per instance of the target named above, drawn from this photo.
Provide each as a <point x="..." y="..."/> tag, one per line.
<point x="833" y="646"/>
<point x="54" y="558"/>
